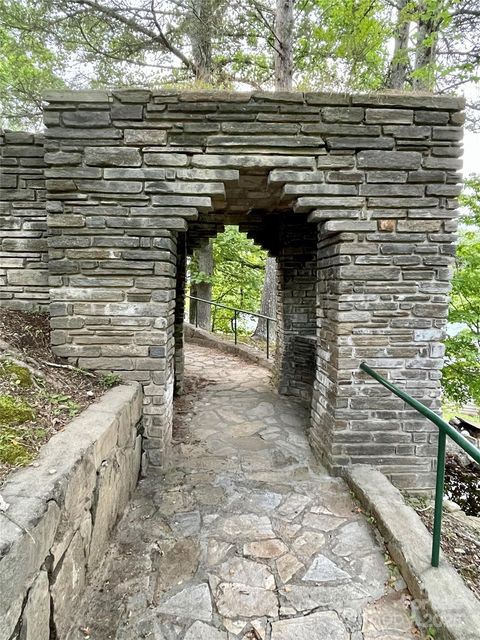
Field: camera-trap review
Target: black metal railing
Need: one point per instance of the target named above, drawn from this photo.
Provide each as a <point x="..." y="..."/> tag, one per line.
<point x="236" y="313"/>
<point x="444" y="430"/>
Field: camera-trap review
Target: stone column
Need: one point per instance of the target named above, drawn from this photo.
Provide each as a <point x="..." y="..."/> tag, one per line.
<point x="296" y="324"/>
<point x="180" y="312"/>
<point x="382" y="298"/>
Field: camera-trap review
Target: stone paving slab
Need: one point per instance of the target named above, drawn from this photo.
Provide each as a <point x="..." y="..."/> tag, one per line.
<point x="245" y="536"/>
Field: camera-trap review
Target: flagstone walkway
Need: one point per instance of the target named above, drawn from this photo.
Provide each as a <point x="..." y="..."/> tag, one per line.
<point x="246" y="536"/>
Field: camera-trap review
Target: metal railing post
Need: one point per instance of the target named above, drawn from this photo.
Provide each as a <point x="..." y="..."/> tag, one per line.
<point x="236" y="312"/>
<point x="268" y="339"/>
<point x="439" y="489"/>
<point x="444" y="430"/>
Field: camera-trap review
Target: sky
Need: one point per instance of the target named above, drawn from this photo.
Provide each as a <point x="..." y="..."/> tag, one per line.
<point x="471" y="153"/>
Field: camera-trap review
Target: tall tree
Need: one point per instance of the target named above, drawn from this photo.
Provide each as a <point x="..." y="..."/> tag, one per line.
<point x="399" y="63"/>
<point x="283" y="45"/>
<point x="200" y="29"/>
<point x="201" y="279"/>
<point x="283" y="61"/>
<point x="429" y="22"/>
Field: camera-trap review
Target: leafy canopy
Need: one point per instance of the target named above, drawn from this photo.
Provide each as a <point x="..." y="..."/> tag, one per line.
<point x="461" y="374"/>
<point x="237" y="279"/>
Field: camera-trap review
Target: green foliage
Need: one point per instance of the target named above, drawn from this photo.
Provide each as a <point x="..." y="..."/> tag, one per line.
<point x="337" y="44"/>
<point x="341" y="45"/>
<point x="238" y="277"/>
<point x="28" y="65"/>
<point x="461" y="374"/>
<point x="110" y="380"/>
<point x="15" y="373"/>
<point x="63" y="403"/>
<point x="14" y="411"/>
<point x="470" y="199"/>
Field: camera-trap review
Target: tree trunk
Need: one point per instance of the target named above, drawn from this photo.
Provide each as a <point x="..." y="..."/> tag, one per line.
<point x="200" y="312"/>
<point x="283" y="45"/>
<point x="200" y="35"/>
<point x="399" y="63"/>
<point x="283" y="57"/>
<point x="426" y="49"/>
<point x="201" y="38"/>
<point x="269" y="299"/>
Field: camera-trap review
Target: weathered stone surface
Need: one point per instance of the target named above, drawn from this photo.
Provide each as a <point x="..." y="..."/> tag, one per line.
<point x="316" y="626"/>
<point x="308" y="543"/>
<point x="166" y="159"/>
<point x="242" y="571"/>
<point x="145" y="136"/>
<point x="359" y="142"/>
<point x="265" y="549"/>
<point x="303" y="599"/>
<point x="389" y="116"/>
<point x="22" y="555"/>
<point x="389" y="160"/>
<point x="68" y="584"/>
<point x="193" y="602"/>
<point x="177" y="562"/>
<point x="112" y="157"/>
<point x="324" y="570"/>
<point x="342" y="114"/>
<point x="287" y="567"/>
<point x="246" y="526"/>
<point x="201" y="631"/>
<point x="36" y="614"/>
<point x="239" y="600"/>
<point x="86" y="118"/>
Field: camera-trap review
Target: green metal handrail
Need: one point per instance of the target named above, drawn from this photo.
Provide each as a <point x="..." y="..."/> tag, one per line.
<point x="236" y="312"/>
<point x="445" y="430"/>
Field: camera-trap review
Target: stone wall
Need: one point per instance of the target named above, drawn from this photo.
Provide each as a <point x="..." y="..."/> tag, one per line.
<point x="23" y="225"/>
<point x="376" y="176"/>
<point x="66" y="505"/>
<point x="296" y="308"/>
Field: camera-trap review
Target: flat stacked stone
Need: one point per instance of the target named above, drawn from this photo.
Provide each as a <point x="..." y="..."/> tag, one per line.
<point x="129" y="172"/>
<point x="23" y="227"/>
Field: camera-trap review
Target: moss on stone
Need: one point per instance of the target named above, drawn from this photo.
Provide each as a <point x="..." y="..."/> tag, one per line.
<point x="15" y="372"/>
<point x="14" y="411"/>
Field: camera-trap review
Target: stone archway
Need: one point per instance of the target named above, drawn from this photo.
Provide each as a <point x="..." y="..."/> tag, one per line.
<point x="374" y="175"/>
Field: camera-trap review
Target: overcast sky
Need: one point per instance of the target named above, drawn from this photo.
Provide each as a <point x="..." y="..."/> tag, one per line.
<point x="471" y="153"/>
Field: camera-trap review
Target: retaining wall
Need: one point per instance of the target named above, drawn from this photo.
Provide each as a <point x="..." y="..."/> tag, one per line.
<point x="66" y="505"/>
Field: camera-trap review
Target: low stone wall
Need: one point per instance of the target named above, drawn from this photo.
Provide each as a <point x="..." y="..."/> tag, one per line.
<point x="195" y="335"/>
<point x="65" y="506"/>
<point x="446" y="603"/>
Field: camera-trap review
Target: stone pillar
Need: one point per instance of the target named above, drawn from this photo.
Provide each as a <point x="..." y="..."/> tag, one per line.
<point x="180" y="312"/>
<point x="296" y="308"/>
<point x="382" y="298"/>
